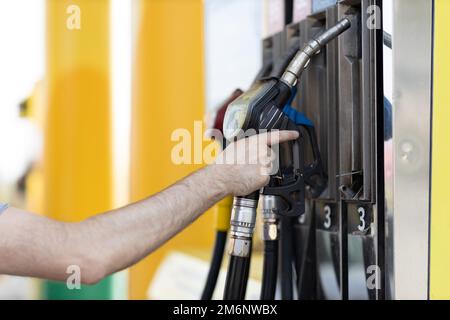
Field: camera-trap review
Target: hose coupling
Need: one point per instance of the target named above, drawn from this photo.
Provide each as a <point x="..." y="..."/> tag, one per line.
<point x="269" y="205"/>
<point x="243" y="218"/>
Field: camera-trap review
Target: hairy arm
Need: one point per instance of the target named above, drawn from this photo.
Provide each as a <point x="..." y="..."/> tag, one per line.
<point x="32" y="245"/>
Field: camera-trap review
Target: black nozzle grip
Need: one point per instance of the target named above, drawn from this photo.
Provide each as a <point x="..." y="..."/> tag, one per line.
<point x="314" y="173"/>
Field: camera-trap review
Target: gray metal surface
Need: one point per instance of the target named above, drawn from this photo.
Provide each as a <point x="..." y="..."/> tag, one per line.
<point x="357" y="180"/>
<point x="304" y="235"/>
<point x="321" y="106"/>
<point x="412" y="74"/>
<point x="350" y="104"/>
<point x="388" y="158"/>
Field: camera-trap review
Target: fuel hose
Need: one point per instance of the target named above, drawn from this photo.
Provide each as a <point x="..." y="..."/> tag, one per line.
<point x="286" y="259"/>
<point x="243" y="218"/>
<point x="270" y="270"/>
<point x="223" y="210"/>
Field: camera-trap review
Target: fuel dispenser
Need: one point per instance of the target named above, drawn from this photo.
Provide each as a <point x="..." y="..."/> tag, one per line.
<point x="323" y="211"/>
<point x="263" y="108"/>
<point x="342" y="93"/>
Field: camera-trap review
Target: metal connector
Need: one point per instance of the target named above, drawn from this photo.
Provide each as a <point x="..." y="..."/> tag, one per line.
<point x="269" y="205"/>
<point x="302" y="59"/>
<point x="243" y="219"/>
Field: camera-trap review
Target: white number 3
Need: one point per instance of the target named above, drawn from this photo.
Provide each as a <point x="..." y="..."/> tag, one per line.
<point x="362" y="215"/>
<point x="327" y="222"/>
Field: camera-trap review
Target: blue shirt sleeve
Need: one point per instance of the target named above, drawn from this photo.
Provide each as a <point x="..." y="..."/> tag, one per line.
<point x="3" y="207"/>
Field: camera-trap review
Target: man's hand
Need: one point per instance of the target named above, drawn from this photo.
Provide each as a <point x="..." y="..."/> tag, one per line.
<point x="245" y="166"/>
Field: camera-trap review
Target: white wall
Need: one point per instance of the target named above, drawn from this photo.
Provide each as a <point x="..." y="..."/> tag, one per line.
<point x="22" y="59"/>
<point x="233" y="33"/>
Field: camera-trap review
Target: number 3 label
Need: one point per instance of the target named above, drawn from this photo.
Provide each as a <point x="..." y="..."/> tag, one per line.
<point x="362" y="216"/>
<point x="327" y="222"/>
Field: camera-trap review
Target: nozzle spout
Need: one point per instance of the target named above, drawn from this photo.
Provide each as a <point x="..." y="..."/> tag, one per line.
<point x="301" y="60"/>
<point x="333" y="32"/>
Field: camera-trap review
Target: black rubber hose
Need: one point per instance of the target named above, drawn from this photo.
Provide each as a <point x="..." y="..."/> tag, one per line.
<point x="237" y="277"/>
<point x="298" y="259"/>
<point x="287" y="290"/>
<point x="270" y="269"/>
<point x="216" y="262"/>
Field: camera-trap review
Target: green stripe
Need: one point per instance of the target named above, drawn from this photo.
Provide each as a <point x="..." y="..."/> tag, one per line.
<point x="112" y="287"/>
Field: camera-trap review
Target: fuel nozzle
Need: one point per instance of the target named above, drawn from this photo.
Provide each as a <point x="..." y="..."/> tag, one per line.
<point x="301" y="60"/>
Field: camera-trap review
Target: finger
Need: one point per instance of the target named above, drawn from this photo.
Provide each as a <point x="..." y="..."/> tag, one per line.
<point x="266" y="161"/>
<point x="273" y="155"/>
<point x="265" y="171"/>
<point x="276" y="137"/>
<point x="268" y="155"/>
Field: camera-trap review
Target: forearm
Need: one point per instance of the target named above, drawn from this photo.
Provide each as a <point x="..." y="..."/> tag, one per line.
<point x="122" y="237"/>
<point x="36" y="246"/>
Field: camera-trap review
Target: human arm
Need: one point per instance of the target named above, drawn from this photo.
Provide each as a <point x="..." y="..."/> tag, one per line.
<point x="32" y="245"/>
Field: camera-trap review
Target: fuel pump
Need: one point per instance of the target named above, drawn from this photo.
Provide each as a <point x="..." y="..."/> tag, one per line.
<point x="261" y="108"/>
<point x="223" y="208"/>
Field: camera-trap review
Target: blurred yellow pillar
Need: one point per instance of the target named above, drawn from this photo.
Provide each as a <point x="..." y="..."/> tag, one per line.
<point x="440" y="217"/>
<point x="168" y="93"/>
<point x="34" y="110"/>
<point x="77" y="148"/>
